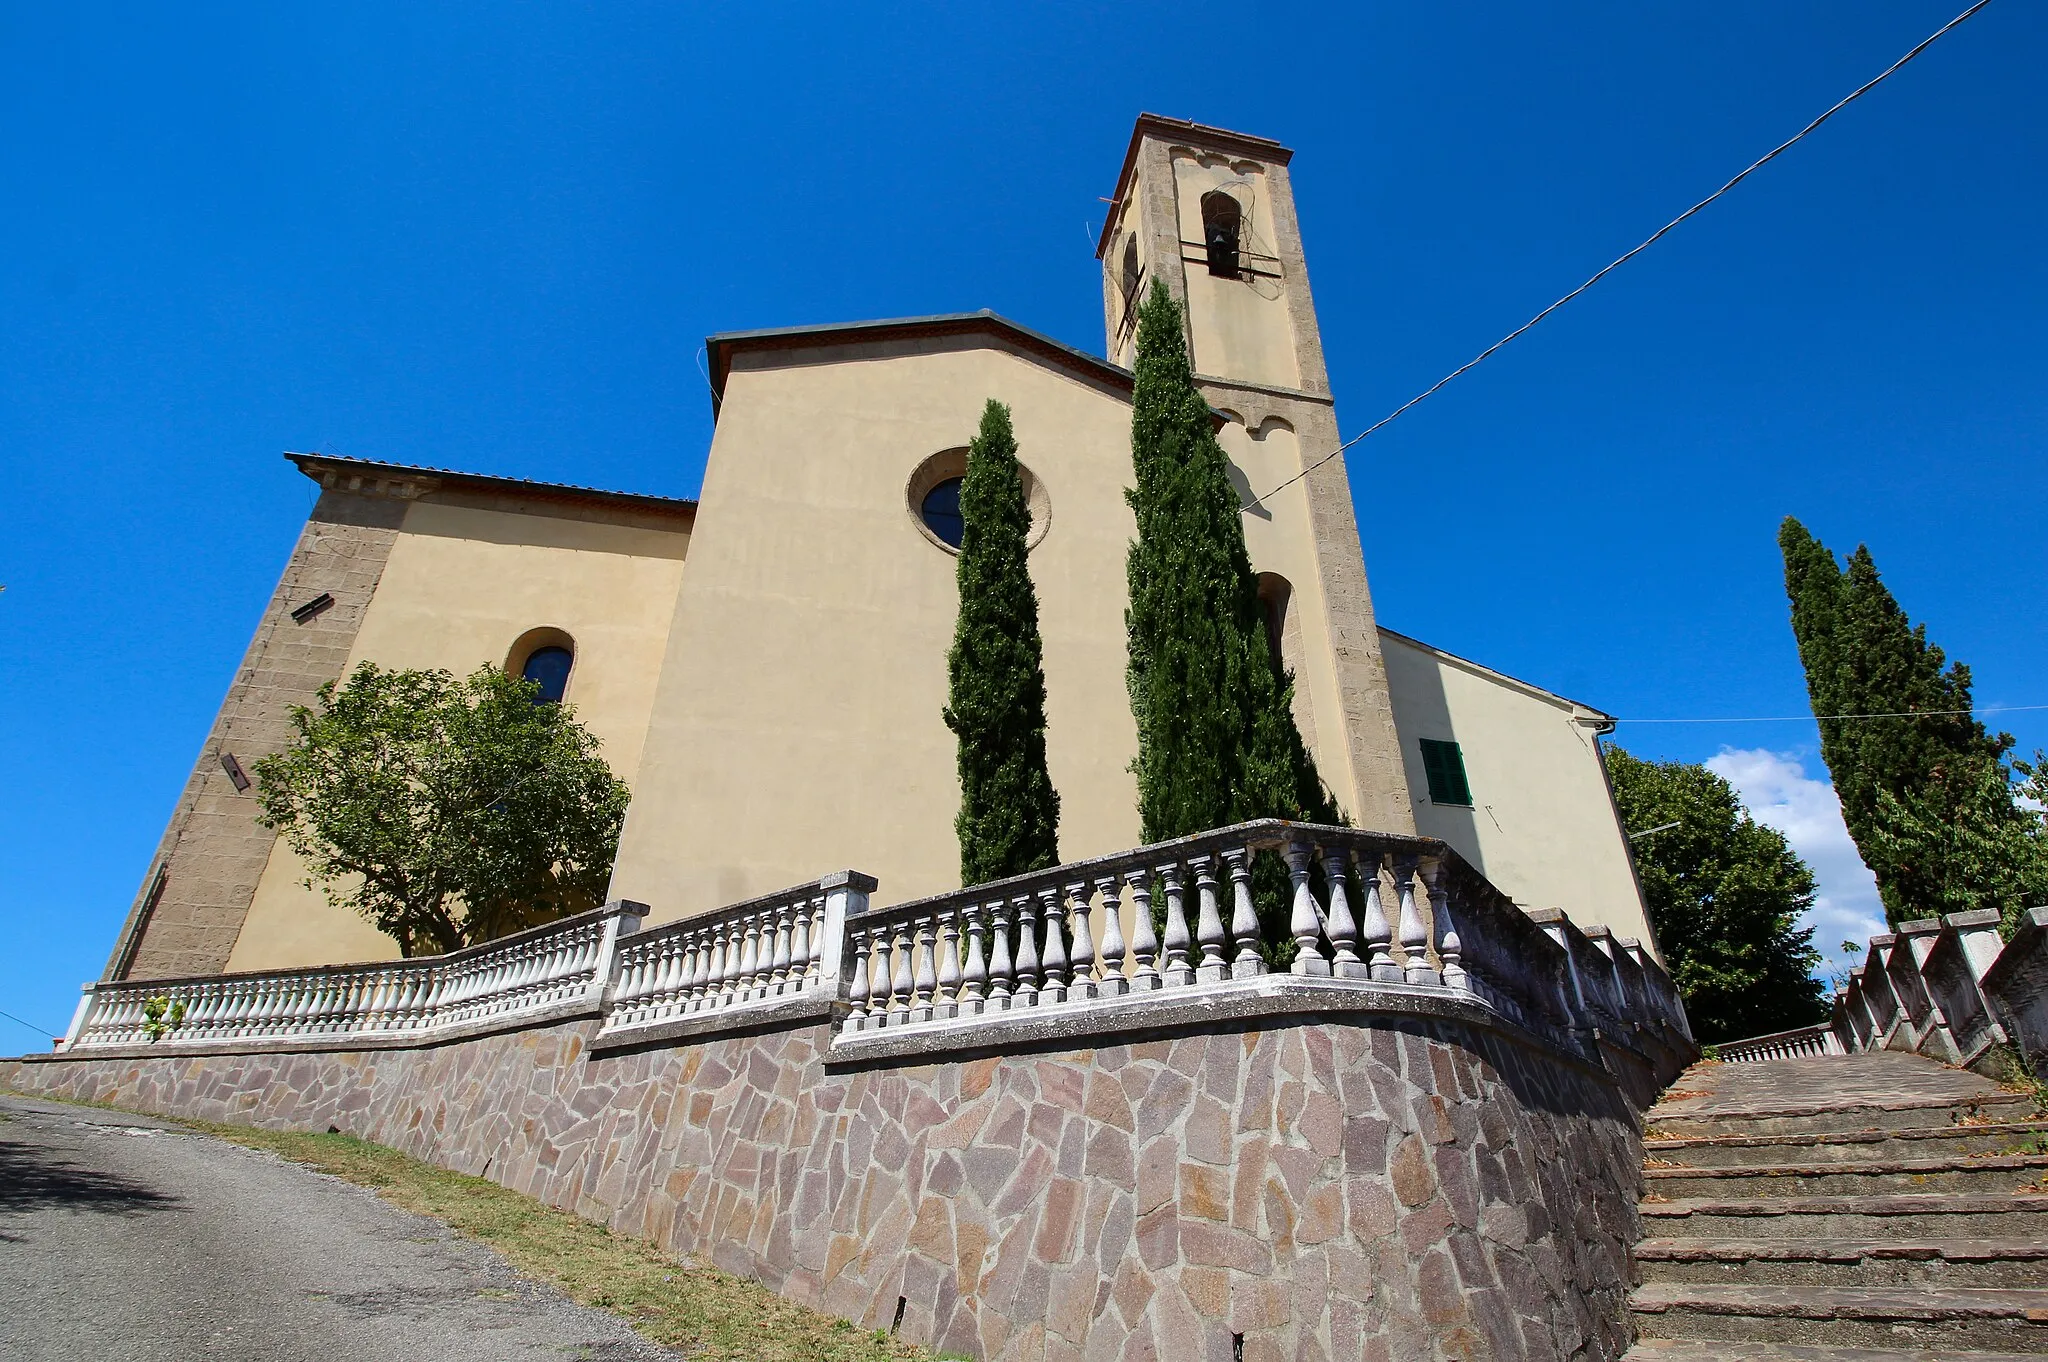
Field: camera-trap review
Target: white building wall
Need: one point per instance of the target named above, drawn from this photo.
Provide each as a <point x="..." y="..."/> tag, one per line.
<point x="1542" y="823"/>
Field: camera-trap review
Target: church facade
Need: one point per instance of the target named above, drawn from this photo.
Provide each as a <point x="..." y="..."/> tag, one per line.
<point x="766" y="665"/>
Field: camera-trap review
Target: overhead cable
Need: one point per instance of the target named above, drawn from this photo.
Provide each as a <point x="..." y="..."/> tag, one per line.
<point x="1624" y="258"/>
<point x="1809" y="718"/>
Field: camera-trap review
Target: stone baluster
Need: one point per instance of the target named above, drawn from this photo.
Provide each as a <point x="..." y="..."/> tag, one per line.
<point x="303" y="1003"/>
<point x="946" y="998"/>
<point x="905" y="975"/>
<point x="725" y="963"/>
<point x="1340" y="926"/>
<point x="815" y="970"/>
<point x="801" y="959"/>
<point x="645" y="980"/>
<point x="711" y="966"/>
<point x="1209" y="933"/>
<point x="1414" y="936"/>
<point x="342" y="1000"/>
<point x="778" y="962"/>
<point x="857" y="987"/>
<point x="397" y="1008"/>
<point x="237" y="1013"/>
<point x="1178" y="968"/>
<point x="255" y="1019"/>
<point x="880" y="972"/>
<point x="1449" y="949"/>
<point x="924" y="978"/>
<point x="676" y="996"/>
<point x="697" y="976"/>
<point x="1053" y="987"/>
<point x="1144" y="936"/>
<point x="974" y="983"/>
<point x="1245" y="962"/>
<point x="1377" y="931"/>
<point x="1304" y="922"/>
<point x="1002" y="971"/>
<point x="420" y="1004"/>
<point x="1082" y="960"/>
<point x="748" y="984"/>
<point x="1027" y="951"/>
<point x="639" y="977"/>
<point x="1113" y="984"/>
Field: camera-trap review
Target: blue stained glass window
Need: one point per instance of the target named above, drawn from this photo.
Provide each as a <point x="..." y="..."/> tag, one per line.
<point x="549" y="667"/>
<point x="941" y="512"/>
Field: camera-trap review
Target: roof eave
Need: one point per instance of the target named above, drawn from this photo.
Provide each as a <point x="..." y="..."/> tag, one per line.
<point x="318" y="466"/>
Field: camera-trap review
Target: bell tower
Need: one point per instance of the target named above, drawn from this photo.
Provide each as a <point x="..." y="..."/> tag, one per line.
<point x="1211" y="213"/>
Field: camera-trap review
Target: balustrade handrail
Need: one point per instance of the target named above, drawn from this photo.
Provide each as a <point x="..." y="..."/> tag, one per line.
<point x="1387" y="910"/>
<point x="1383" y="919"/>
<point x="532" y="971"/>
<point x="769" y="949"/>
<point x="1799" y="1041"/>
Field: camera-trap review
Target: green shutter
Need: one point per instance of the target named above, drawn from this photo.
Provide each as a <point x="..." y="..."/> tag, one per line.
<point x="1444" y="765"/>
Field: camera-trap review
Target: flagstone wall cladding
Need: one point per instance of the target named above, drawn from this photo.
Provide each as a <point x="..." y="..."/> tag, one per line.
<point x="1403" y="1189"/>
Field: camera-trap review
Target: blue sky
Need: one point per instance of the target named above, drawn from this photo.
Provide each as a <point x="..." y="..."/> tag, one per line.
<point x="493" y="238"/>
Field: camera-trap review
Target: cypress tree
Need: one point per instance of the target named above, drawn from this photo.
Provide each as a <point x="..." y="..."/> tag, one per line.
<point x="1009" y="812"/>
<point x="1217" y="741"/>
<point x="1915" y="788"/>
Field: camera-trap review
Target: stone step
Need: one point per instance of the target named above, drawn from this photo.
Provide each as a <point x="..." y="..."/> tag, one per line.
<point x="1846" y="1262"/>
<point x="1790" y="1118"/>
<point x="1719" y="1350"/>
<point x="1919" y="1215"/>
<point x="1945" y="1173"/>
<point x="2011" y="1321"/>
<point x="1717" y="1151"/>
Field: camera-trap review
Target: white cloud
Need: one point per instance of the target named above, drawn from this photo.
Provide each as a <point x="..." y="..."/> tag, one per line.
<point x="1778" y="793"/>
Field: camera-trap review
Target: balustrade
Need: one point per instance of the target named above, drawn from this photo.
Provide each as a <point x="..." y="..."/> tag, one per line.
<point x="1108" y="931"/>
<point x="520" y="976"/>
<point x="1371" y="921"/>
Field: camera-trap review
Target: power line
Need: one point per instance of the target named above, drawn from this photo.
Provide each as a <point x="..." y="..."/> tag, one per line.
<point x="1810" y="718"/>
<point x="1627" y="256"/>
<point x="30" y="1025"/>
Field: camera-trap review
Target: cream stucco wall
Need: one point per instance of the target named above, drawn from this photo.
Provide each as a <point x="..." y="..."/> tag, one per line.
<point x="1277" y="538"/>
<point x="797" y="728"/>
<point x="464" y="581"/>
<point x="1542" y="824"/>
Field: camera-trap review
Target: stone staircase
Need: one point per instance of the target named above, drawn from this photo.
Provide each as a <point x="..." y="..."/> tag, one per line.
<point x="1843" y="1208"/>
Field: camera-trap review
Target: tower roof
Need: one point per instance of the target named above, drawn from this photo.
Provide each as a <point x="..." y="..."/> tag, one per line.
<point x="1221" y="139"/>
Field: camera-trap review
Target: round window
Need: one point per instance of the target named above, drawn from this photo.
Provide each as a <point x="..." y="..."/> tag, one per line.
<point x="934" y="500"/>
<point x="941" y="512"/>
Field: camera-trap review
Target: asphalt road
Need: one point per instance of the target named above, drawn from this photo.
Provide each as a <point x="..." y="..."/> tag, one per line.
<point x="123" y="1239"/>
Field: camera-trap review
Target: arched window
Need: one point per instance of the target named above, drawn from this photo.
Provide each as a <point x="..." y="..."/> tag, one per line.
<point x="1274" y="594"/>
<point x="1130" y="279"/>
<point x="544" y="656"/>
<point x="1222" y="223"/>
<point x="549" y="668"/>
<point x="941" y="512"/>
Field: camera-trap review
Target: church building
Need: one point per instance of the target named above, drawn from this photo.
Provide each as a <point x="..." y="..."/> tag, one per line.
<point x="766" y="665"/>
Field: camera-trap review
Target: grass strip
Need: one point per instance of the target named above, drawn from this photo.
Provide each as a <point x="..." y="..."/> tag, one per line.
<point x="695" y="1308"/>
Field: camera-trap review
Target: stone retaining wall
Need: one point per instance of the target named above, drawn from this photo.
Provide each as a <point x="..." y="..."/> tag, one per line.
<point x="1380" y="1188"/>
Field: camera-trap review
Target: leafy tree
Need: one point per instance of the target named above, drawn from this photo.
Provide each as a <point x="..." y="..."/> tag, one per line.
<point x="1926" y="794"/>
<point x="1009" y="812"/>
<point x="1217" y="742"/>
<point x="1725" y="894"/>
<point x="1967" y="848"/>
<point x="446" y="812"/>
